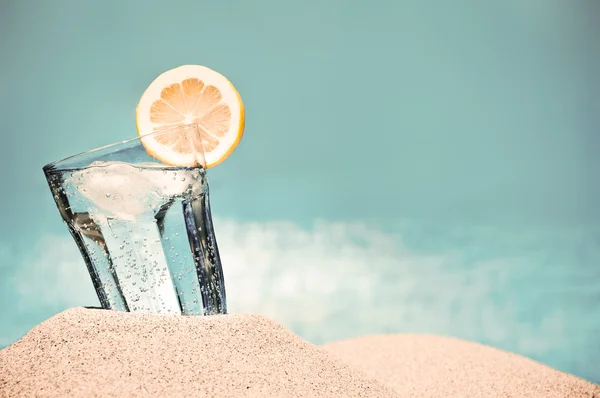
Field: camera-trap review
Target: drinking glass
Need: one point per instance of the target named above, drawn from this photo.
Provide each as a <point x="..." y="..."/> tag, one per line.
<point x="144" y="228"/>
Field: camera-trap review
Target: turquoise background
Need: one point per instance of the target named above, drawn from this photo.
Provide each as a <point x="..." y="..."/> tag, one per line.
<point x="466" y="131"/>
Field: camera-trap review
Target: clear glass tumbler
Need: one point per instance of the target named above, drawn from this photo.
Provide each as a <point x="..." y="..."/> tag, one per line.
<point x="144" y="228"/>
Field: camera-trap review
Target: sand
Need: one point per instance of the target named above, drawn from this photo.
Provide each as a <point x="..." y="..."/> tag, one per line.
<point x="89" y="353"/>
<point x="434" y="366"/>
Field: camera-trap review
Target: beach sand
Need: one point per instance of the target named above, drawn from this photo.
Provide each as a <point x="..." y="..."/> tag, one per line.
<point x="434" y="366"/>
<point x="88" y="353"/>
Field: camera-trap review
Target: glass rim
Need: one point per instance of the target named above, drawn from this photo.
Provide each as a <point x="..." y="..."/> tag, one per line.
<point x="56" y="164"/>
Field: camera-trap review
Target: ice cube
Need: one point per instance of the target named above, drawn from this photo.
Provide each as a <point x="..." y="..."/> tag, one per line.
<point x="125" y="191"/>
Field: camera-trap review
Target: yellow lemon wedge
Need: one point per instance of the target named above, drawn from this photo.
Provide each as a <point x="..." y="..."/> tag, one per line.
<point x="191" y="94"/>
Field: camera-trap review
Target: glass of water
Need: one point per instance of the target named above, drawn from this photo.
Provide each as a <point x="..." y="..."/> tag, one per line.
<point x="144" y="228"/>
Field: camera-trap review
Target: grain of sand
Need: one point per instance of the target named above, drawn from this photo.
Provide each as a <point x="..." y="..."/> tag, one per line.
<point x="89" y="353"/>
<point x="433" y="366"/>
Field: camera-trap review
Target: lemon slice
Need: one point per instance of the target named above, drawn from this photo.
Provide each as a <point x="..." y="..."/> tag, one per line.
<point x="191" y="94"/>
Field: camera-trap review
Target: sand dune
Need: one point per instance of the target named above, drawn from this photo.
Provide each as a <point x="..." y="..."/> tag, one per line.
<point x="88" y="353"/>
<point x="433" y="366"/>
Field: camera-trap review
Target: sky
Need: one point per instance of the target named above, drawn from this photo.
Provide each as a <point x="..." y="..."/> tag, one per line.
<point x="406" y="166"/>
